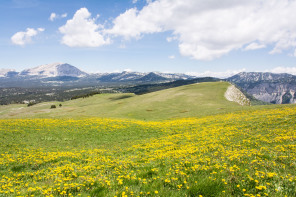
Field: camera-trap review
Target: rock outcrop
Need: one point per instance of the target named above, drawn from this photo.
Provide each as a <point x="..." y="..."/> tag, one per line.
<point x="235" y="95"/>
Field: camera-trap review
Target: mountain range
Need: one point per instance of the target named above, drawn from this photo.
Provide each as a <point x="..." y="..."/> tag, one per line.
<point x="264" y="86"/>
<point x="60" y="71"/>
<point x="268" y="87"/>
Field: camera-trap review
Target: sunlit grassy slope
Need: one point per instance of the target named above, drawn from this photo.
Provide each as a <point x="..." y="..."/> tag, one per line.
<point x="100" y="146"/>
<point x="185" y="101"/>
<point x="237" y="154"/>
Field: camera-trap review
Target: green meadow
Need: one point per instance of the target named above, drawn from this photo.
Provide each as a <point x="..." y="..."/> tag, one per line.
<point x="194" y="100"/>
<point x="185" y="141"/>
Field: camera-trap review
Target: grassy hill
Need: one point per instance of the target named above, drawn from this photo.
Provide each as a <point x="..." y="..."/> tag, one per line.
<point x="196" y="143"/>
<point x="185" y="101"/>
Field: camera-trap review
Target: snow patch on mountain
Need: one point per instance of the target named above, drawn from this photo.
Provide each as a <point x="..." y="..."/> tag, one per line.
<point x="54" y="70"/>
<point x="136" y="76"/>
<point x="175" y="76"/>
<point x="4" y="71"/>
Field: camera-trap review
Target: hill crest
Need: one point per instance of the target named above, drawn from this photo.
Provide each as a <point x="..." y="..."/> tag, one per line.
<point x="184" y="101"/>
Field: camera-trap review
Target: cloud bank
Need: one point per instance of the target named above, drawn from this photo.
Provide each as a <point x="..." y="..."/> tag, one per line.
<point x="203" y="30"/>
<point x="206" y="30"/>
<point x="24" y="37"/>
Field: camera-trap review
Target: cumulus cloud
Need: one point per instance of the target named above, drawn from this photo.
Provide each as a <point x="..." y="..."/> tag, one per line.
<point x="53" y="16"/>
<point x="133" y="24"/>
<point x="206" y="30"/>
<point x="24" y="37"/>
<point x="82" y="31"/>
<point x="172" y="57"/>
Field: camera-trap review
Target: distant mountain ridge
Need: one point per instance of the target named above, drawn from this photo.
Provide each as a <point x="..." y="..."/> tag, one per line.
<point x="44" y="71"/>
<point x="268" y="87"/>
<point x="54" y="70"/>
<point x="140" y="77"/>
<point x="245" y="77"/>
<point x="65" y="74"/>
<point x="264" y="86"/>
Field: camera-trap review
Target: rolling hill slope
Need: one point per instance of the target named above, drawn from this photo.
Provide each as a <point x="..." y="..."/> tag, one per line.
<point x="236" y="154"/>
<point x="221" y="149"/>
<point x="184" y="101"/>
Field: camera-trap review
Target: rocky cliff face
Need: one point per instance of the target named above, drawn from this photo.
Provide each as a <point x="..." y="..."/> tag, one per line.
<point x="277" y="93"/>
<point x="268" y="87"/>
<point x="235" y="95"/>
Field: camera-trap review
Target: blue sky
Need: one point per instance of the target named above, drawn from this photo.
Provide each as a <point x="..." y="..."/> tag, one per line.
<point x="188" y="36"/>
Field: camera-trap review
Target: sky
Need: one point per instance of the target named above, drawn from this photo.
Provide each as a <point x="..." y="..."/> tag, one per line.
<point x="205" y="38"/>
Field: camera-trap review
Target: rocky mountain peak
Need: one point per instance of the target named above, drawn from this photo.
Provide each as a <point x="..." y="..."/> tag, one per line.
<point x="268" y="87"/>
<point x="244" y="77"/>
<point x="54" y="70"/>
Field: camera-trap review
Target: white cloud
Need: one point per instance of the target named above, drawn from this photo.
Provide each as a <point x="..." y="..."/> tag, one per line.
<point x="132" y="24"/>
<point x="135" y="1"/>
<point x="210" y="29"/>
<point x="82" y="31"/>
<point x="172" y="57"/>
<point x="52" y="16"/>
<point x="254" y="46"/>
<point x="64" y="15"/>
<point x="40" y="29"/>
<point x="290" y="70"/>
<point x="221" y="75"/>
<point x="25" y="37"/>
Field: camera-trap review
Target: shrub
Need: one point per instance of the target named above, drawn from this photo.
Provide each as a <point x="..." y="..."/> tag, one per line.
<point x="53" y="106"/>
<point x="31" y="104"/>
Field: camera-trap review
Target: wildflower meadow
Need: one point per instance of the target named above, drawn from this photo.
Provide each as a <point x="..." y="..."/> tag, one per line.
<point x="236" y="154"/>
